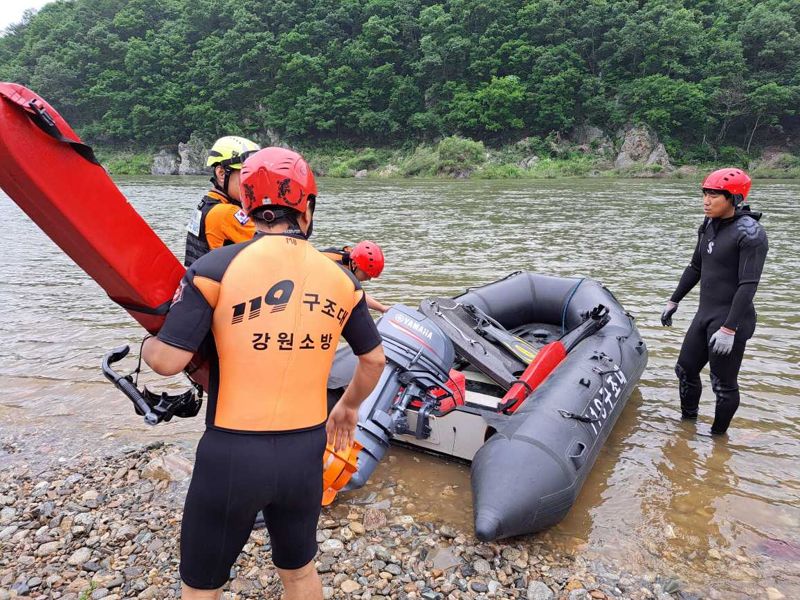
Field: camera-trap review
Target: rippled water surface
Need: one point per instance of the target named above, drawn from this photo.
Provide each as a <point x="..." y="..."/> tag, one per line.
<point x="660" y="496"/>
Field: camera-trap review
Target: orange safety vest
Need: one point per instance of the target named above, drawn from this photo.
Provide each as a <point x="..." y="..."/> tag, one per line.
<point x="217" y="221"/>
<point x="279" y="310"/>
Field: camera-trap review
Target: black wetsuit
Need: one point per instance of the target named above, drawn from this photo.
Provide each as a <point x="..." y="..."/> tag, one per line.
<point x="727" y="261"/>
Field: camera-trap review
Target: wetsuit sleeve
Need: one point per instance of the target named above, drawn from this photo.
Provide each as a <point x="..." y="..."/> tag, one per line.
<point x="360" y="330"/>
<point x="753" y="249"/>
<point x="337" y="255"/>
<point x="189" y="318"/>
<point x="691" y="274"/>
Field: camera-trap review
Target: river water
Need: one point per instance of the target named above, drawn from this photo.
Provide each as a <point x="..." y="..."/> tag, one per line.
<point x="660" y="498"/>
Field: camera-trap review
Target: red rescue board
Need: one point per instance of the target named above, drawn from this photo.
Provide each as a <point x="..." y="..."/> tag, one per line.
<point x="79" y="207"/>
<point x="57" y="182"/>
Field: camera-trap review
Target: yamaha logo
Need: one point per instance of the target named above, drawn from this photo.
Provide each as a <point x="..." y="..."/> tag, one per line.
<point x="412" y="324"/>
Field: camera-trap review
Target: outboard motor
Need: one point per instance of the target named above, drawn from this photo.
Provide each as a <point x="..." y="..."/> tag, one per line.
<point x="418" y="359"/>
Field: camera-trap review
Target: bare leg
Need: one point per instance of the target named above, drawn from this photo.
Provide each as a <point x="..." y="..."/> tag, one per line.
<point x="190" y="593"/>
<point x="302" y="583"/>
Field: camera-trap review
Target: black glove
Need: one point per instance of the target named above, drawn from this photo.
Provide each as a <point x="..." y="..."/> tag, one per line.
<point x="669" y="310"/>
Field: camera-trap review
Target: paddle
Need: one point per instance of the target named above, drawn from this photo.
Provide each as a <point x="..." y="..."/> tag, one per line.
<point x="494" y="332"/>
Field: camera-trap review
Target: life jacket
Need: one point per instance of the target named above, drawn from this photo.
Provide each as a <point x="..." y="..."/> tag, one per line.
<point x="196" y="242"/>
<point x="278" y="312"/>
<point x="218" y="221"/>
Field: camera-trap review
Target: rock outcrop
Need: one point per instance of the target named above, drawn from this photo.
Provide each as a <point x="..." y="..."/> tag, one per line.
<point x="165" y="163"/>
<point x="592" y="139"/>
<point x="641" y="147"/>
<point x="775" y="157"/>
<point x="193" y="155"/>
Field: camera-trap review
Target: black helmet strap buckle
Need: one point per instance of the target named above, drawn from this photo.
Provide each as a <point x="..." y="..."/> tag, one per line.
<point x="270" y="213"/>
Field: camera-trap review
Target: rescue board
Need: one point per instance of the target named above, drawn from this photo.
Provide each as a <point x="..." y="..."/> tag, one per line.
<point x="56" y="180"/>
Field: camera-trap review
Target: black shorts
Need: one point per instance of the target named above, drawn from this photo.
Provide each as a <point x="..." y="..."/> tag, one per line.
<point x="237" y="475"/>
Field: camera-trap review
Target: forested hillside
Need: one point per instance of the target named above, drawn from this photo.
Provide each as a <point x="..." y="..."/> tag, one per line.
<point x="142" y="73"/>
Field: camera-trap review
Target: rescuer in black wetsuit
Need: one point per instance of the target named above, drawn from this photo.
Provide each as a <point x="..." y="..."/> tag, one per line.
<point x="727" y="261"/>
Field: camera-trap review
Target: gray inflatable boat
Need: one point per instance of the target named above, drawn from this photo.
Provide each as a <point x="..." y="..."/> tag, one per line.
<point x="523" y="377"/>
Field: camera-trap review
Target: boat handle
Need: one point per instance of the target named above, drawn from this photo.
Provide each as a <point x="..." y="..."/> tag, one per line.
<point x="578" y="454"/>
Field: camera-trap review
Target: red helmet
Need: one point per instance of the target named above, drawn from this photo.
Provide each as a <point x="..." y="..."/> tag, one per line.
<point x="368" y="257"/>
<point x="276" y="177"/>
<point x="732" y="180"/>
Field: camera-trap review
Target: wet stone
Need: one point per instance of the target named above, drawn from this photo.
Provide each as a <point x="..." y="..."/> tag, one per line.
<point x="357" y="528"/>
<point x="73" y="479"/>
<point x="511" y="554"/>
<point x="374" y="519"/>
<point x="447" y="532"/>
<point x="538" y="590"/>
<point x="348" y="586"/>
<point x="84" y="519"/>
<point x="49" y="548"/>
<point x="332" y="545"/>
<point x="482" y="567"/>
<point x="478" y="586"/>
<point x="405" y="558"/>
<point x="7" y="514"/>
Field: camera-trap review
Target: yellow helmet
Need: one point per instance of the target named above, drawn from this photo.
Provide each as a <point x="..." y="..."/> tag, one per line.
<point x="231" y="151"/>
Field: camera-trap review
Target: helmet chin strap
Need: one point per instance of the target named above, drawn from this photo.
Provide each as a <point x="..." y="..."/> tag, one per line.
<point x="291" y="217"/>
<point x="225" y="184"/>
<point x="296" y="230"/>
<point x="224" y="187"/>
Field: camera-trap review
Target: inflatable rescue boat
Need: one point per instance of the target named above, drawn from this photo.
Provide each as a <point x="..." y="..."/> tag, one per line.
<point x="524" y="377"/>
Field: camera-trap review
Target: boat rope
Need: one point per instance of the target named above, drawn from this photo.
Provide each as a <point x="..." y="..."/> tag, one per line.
<point x="139" y="364"/>
<point x="477" y="287"/>
<point x="472" y="342"/>
<point x="566" y="305"/>
<point x="582" y="418"/>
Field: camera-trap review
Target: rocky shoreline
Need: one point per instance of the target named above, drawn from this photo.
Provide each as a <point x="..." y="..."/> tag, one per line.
<point x="108" y="527"/>
<point x="586" y="151"/>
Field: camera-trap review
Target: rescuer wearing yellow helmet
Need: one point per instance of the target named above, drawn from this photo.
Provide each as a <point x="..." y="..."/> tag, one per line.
<point x="219" y="219"/>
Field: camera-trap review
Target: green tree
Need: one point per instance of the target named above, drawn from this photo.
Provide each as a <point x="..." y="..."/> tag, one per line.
<point x="494" y="107"/>
<point x="770" y="102"/>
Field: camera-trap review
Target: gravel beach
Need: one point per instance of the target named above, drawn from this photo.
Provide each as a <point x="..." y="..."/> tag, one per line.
<point x="107" y="526"/>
